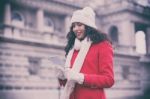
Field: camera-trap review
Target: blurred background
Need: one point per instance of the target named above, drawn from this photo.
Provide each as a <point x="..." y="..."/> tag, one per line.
<point x="31" y="31"/>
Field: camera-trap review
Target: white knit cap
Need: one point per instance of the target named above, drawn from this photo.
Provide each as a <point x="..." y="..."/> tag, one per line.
<point x="85" y="16"/>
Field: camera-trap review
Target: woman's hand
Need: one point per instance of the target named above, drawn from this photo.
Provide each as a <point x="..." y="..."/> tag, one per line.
<point x="59" y="72"/>
<point x="74" y="76"/>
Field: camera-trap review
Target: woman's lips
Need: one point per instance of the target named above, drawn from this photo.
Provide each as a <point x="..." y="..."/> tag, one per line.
<point x="78" y="33"/>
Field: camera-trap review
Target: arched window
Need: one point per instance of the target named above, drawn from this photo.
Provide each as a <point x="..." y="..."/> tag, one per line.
<point x="140" y="42"/>
<point x="17" y="19"/>
<point x="48" y="25"/>
<point x="113" y="33"/>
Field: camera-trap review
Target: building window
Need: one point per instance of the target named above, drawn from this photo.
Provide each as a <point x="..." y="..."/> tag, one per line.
<point x="16" y="16"/>
<point x="17" y="19"/>
<point x="113" y="33"/>
<point x="125" y="73"/>
<point x="48" y="25"/>
<point x="34" y="65"/>
<point x="140" y="42"/>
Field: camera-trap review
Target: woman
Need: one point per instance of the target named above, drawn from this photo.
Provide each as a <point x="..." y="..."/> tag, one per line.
<point x="89" y="58"/>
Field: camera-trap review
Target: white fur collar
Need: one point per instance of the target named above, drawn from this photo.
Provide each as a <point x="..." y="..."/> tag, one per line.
<point x="84" y="48"/>
<point x="78" y="44"/>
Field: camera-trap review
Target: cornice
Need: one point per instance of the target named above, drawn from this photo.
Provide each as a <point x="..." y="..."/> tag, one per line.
<point x="46" y="5"/>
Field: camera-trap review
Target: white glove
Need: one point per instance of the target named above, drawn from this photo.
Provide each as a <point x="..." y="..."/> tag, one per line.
<point x="74" y="76"/>
<point x="59" y="72"/>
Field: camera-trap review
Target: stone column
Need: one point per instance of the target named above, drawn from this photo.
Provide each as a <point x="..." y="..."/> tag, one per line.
<point x="127" y="35"/>
<point x="40" y="20"/>
<point x="67" y="24"/>
<point x="40" y="26"/>
<point x="7" y="20"/>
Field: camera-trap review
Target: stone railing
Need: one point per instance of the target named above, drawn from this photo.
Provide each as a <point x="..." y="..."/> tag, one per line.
<point x="124" y="49"/>
<point x="32" y="35"/>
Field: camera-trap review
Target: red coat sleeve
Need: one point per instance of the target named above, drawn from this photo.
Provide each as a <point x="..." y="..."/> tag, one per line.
<point x="105" y="78"/>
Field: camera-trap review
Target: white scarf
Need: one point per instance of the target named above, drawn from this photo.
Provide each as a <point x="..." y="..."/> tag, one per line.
<point x="85" y="45"/>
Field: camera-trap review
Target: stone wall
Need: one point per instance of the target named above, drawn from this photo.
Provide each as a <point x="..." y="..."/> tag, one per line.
<point x="25" y="71"/>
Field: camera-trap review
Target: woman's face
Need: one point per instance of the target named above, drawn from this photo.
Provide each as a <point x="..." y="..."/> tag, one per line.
<point x="79" y="30"/>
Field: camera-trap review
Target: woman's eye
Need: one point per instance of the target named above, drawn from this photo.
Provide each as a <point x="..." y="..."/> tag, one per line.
<point x="73" y="25"/>
<point x="76" y="24"/>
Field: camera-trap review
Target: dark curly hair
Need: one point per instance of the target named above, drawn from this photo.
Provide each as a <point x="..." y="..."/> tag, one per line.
<point x="93" y="34"/>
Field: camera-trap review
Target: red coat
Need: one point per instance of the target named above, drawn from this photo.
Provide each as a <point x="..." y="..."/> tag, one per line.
<point x="98" y="72"/>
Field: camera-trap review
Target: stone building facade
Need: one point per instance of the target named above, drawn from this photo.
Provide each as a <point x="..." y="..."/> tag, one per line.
<point x="124" y="21"/>
<point x="31" y="31"/>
